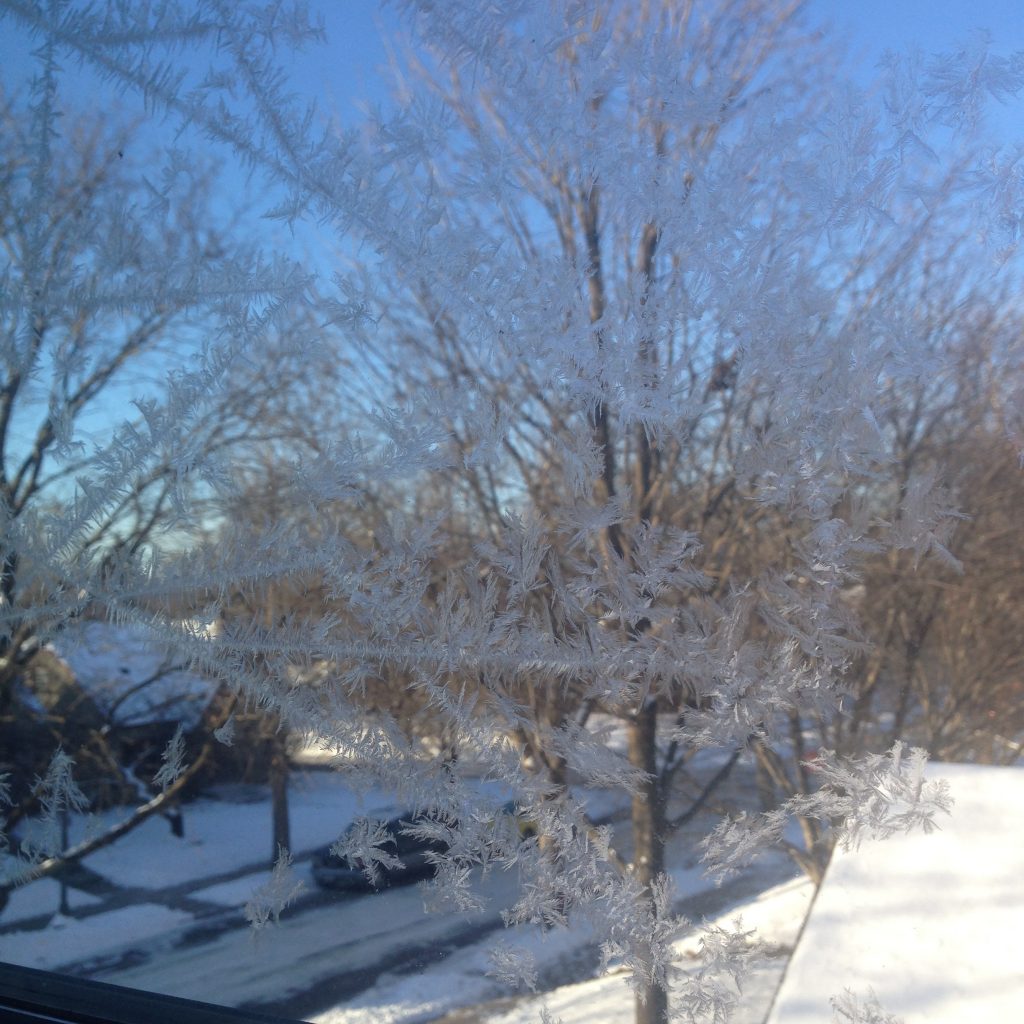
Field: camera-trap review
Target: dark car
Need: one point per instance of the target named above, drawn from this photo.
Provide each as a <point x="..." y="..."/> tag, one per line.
<point x="417" y="856"/>
<point x="413" y="852"/>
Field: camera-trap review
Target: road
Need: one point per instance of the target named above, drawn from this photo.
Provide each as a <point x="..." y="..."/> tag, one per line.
<point x="330" y="947"/>
<point x="327" y="948"/>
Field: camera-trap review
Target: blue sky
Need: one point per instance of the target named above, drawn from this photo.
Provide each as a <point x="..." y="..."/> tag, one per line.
<point x="348" y="68"/>
<point x="930" y="25"/>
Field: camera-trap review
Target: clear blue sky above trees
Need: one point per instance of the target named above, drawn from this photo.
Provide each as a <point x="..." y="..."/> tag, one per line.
<point x="347" y="70"/>
<point x="350" y="71"/>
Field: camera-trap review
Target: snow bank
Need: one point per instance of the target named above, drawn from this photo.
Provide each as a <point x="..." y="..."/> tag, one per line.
<point x="929" y="923"/>
<point x="776" y="914"/>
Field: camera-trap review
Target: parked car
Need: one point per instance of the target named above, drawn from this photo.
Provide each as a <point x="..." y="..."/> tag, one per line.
<point x="334" y="872"/>
<point x="415" y="854"/>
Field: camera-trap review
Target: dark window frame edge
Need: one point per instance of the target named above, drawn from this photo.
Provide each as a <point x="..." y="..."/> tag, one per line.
<point x="28" y="994"/>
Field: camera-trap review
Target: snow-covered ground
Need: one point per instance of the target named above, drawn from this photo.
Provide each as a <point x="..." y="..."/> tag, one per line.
<point x="776" y="915"/>
<point x="164" y="914"/>
<point x="927" y="925"/>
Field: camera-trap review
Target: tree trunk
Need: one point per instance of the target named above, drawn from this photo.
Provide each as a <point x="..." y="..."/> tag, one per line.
<point x="648" y="817"/>
<point x="281" y="826"/>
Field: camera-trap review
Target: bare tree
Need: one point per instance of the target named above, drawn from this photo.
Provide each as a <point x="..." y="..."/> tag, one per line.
<point x="107" y="282"/>
<point x="638" y="275"/>
<point x="622" y="284"/>
<point x="944" y="663"/>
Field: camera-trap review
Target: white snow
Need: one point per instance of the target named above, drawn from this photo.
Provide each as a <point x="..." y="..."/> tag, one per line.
<point x="236" y="892"/>
<point x="66" y="940"/>
<point x="462" y="980"/>
<point x="929" y="923"/>
<point x="776" y="914"/>
<point x="221" y="835"/>
<point x="42" y="897"/>
<point x="130" y="675"/>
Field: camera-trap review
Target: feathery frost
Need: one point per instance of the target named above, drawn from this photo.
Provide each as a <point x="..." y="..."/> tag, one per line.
<point x="271" y="898"/>
<point x="595" y="424"/>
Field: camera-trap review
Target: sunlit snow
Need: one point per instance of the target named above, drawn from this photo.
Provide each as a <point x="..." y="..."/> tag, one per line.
<point x="929" y="923"/>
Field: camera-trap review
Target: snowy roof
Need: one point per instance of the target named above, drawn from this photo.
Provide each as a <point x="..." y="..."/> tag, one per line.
<point x="927" y="924"/>
<point x="131" y="676"/>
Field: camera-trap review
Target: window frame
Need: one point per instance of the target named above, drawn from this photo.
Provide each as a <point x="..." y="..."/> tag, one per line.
<point x="28" y="995"/>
